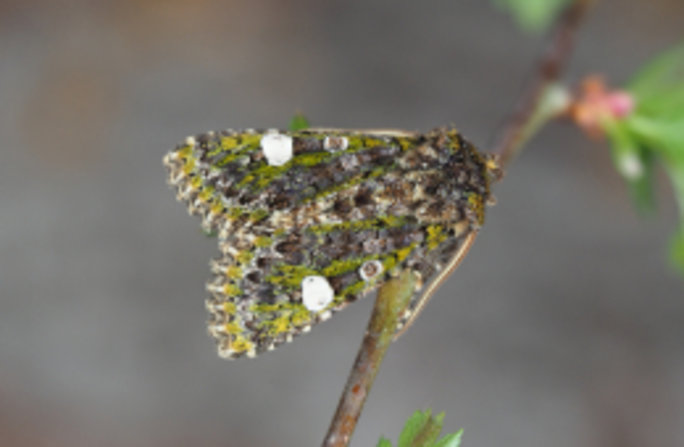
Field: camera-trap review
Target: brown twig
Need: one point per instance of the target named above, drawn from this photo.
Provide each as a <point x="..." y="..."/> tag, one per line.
<point x="525" y="119"/>
<point x="393" y="297"/>
<point x="395" y="294"/>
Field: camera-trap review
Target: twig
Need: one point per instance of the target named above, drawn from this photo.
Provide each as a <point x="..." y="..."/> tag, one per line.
<point x="531" y="110"/>
<point x="394" y="296"/>
<point x="392" y="299"/>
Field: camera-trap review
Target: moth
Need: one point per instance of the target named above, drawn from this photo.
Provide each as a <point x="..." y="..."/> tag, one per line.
<point x="309" y="221"/>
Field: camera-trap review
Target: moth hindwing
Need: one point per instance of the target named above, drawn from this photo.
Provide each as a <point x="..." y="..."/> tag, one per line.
<point x="309" y="221"/>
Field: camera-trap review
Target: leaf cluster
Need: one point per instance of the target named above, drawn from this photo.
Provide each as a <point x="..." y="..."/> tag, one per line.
<point x="653" y="134"/>
<point x="422" y="430"/>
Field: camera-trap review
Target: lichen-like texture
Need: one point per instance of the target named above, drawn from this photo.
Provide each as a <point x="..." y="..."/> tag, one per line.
<point x="344" y="198"/>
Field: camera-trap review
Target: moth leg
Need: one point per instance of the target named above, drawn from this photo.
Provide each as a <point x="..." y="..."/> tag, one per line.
<point x="434" y="285"/>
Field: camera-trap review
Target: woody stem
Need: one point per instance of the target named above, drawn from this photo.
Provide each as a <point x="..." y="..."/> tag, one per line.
<point x="393" y="297"/>
<point x="534" y="108"/>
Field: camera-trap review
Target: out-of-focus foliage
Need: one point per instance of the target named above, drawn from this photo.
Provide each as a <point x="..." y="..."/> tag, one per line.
<point x="299" y="122"/>
<point x="532" y="15"/>
<point x="422" y="430"/>
<point x="654" y="133"/>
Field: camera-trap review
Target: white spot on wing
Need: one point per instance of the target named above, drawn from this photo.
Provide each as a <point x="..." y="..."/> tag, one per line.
<point x="370" y="270"/>
<point x="334" y="144"/>
<point x="277" y="148"/>
<point x="316" y="293"/>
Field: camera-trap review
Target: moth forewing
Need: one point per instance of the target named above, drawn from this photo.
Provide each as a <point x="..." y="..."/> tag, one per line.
<point x="309" y="221"/>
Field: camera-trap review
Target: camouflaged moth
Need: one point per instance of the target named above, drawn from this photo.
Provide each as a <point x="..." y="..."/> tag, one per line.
<point x="309" y="221"/>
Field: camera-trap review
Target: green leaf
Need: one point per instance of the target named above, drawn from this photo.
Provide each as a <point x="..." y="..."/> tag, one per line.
<point x="452" y="440"/>
<point x="659" y="103"/>
<point x="661" y="135"/>
<point x="676" y="173"/>
<point x="677" y="250"/>
<point x="660" y="74"/>
<point x="422" y="430"/>
<point x="634" y="164"/>
<point x="299" y="122"/>
<point x="658" y="120"/>
<point x="532" y="15"/>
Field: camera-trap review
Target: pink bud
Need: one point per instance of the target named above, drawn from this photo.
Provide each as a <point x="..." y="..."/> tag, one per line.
<point x="620" y="103"/>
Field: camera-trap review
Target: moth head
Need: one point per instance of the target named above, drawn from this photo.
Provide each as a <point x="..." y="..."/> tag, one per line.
<point x="493" y="168"/>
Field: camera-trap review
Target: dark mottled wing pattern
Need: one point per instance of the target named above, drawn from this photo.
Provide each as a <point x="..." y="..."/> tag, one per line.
<point x="341" y="212"/>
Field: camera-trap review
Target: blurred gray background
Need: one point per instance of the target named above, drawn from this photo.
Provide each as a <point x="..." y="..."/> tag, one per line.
<point x="564" y="327"/>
